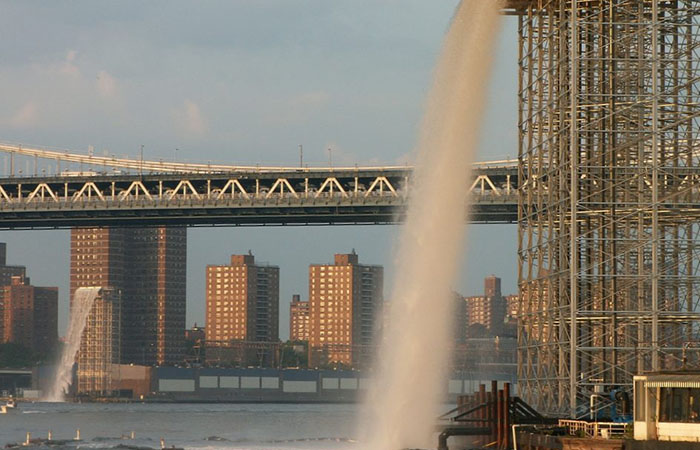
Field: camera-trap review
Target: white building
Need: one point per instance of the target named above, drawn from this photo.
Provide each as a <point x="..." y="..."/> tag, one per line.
<point x="667" y="406"/>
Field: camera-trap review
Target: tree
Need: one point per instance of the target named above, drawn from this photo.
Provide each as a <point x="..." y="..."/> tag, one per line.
<point x="294" y="354"/>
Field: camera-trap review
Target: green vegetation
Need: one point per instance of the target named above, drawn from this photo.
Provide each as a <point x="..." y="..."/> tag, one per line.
<point x="294" y="354"/>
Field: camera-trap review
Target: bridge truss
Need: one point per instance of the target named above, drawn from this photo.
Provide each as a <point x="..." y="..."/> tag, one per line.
<point x="146" y="193"/>
<point x="609" y="223"/>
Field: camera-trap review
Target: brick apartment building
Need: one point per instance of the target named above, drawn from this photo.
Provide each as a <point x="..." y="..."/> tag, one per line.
<point x="28" y="314"/>
<point x="242" y="311"/>
<point x="299" y="320"/>
<point x="345" y="305"/>
<point x="8" y="272"/>
<point x="147" y="266"/>
<point x="489" y="309"/>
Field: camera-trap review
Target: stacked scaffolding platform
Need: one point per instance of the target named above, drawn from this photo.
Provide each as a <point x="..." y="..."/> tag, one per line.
<point x="98" y="358"/>
<point x="609" y="212"/>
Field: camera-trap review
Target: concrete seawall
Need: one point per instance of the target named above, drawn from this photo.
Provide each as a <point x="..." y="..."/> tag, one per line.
<point x="276" y="385"/>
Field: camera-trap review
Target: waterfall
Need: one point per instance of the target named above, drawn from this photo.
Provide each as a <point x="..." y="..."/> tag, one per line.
<point x="413" y="361"/>
<point x="83" y="300"/>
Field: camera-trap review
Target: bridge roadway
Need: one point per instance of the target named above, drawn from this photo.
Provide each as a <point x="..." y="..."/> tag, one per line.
<point x="343" y="196"/>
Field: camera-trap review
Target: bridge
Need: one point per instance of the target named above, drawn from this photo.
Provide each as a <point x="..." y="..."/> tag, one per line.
<point x="129" y="192"/>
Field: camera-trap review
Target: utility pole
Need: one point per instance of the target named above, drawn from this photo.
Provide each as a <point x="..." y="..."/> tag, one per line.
<point x="141" y="168"/>
<point x="301" y="155"/>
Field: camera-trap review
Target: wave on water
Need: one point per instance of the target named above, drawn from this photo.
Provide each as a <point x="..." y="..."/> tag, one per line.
<point x="320" y="439"/>
<point x="118" y="443"/>
<point x="290" y="444"/>
<point x="307" y="440"/>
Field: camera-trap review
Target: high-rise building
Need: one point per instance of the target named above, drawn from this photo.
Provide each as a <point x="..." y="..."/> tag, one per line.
<point x="242" y="301"/>
<point x="492" y="286"/>
<point x="242" y="305"/>
<point x="489" y="309"/>
<point x="7" y="272"/>
<point x="345" y="305"/>
<point x="97" y="258"/>
<point x="29" y="315"/>
<point x="154" y="296"/>
<point x="299" y="319"/>
<point x="148" y="267"/>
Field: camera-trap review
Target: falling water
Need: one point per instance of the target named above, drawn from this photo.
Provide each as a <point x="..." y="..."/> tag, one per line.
<point x="82" y="304"/>
<point x="404" y="402"/>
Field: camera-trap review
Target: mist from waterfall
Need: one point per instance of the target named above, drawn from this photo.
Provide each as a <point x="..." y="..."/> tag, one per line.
<point x="83" y="299"/>
<point x="412" y="363"/>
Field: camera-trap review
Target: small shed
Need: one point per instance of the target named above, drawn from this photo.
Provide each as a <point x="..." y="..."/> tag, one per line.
<point x="667" y="406"/>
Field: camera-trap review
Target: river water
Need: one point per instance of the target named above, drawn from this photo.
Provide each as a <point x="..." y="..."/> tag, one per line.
<point x="191" y="426"/>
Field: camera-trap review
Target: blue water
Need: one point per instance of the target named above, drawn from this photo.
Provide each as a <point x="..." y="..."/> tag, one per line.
<point x="191" y="426"/>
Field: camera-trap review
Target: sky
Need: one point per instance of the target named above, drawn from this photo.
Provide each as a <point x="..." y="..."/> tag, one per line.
<point x="243" y="82"/>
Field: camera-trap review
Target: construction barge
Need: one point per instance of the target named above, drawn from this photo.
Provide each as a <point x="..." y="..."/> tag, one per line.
<point x="663" y="413"/>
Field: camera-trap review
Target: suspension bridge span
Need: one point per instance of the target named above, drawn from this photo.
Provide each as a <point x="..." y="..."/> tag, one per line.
<point x="129" y="192"/>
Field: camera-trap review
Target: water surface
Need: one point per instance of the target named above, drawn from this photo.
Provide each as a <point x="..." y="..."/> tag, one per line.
<point x="195" y="426"/>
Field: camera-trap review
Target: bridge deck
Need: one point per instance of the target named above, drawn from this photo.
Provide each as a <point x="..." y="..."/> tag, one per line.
<point x="351" y="196"/>
<point x="141" y="193"/>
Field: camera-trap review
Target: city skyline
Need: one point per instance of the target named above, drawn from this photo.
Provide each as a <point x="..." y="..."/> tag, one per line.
<point x="236" y="83"/>
<point x="290" y="275"/>
<point x="283" y="313"/>
<point x="205" y="184"/>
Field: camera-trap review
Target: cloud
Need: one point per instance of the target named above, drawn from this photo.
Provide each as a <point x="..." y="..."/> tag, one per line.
<point x="106" y="84"/>
<point x="26" y="116"/>
<point x="190" y="120"/>
<point x="68" y="67"/>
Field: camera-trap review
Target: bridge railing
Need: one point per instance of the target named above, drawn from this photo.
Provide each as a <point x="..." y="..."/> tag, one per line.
<point x="192" y="201"/>
<point x="63" y="158"/>
<point x="251" y="188"/>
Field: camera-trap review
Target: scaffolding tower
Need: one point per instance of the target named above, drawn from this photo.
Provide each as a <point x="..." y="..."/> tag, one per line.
<point x="98" y="358"/>
<point x="609" y="211"/>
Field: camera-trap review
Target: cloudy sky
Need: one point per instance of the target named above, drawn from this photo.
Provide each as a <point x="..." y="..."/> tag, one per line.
<point x="244" y="81"/>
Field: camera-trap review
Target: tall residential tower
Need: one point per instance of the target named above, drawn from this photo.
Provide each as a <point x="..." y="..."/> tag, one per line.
<point x="242" y="310"/>
<point x="148" y="267"/>
<point x="345" y="304"/>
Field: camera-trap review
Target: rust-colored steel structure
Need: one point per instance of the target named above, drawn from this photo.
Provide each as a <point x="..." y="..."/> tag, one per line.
<point x="487" y="416"/>
<point x="609" y="194"/>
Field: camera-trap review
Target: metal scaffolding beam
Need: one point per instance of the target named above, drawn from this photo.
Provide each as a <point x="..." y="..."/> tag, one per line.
<point x="99" y="346"/>
<point x="609" y="169"/>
